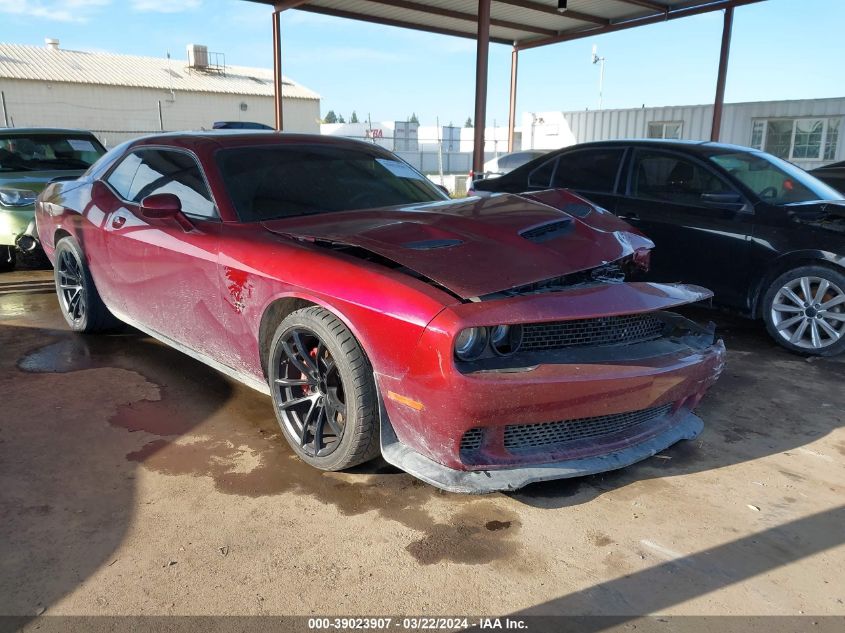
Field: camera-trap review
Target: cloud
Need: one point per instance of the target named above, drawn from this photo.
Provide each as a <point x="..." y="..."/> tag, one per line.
<point x="165" y="6"/>
<point x="55" y="10"/>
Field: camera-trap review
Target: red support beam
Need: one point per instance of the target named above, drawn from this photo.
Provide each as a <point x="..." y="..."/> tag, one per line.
<point x="705" y="7"/>
<point x="481" y="67"/>
<point x="283" y="5"/>
<point x="718" y="104"/>
<point x="512" y="108"/>
<point x="544" y="8"/>
<point x="277" y="68"/>
<point x="460" y="15"/>
<point x="648" y="4"/>
<point x="363" y="17"/>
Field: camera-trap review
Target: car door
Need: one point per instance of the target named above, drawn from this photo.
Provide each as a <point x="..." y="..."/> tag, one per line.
<point x="592" y="173"/>
<point x="700" y="224"/>
<point x="164" y="273"/>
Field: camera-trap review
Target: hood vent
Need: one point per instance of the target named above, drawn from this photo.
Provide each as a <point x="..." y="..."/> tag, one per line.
<point x="546" y="232"/>
<point x="428" y="245"/>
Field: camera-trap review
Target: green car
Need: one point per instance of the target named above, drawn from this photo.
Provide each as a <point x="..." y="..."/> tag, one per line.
<point x="29" y="159"/>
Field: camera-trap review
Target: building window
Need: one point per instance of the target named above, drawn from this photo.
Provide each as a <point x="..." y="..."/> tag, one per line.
<point x="665" y="129"/>
<point x="797" y="139"/>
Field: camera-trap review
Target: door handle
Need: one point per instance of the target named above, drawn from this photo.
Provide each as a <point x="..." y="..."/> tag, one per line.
<point x="629" y="216"/>
<point x="118" y="221"/>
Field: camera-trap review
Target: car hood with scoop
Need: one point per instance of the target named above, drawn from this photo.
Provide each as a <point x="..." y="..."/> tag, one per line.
<point x="479" y="246"/>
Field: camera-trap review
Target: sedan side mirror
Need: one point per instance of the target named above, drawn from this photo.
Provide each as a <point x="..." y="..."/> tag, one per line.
<point x="165" y="206"/>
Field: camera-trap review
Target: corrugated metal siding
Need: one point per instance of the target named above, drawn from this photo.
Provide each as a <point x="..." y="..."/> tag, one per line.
<point x="106" y="69"/>
<point x="118" y="113"/>
<point x="596" y="125"/>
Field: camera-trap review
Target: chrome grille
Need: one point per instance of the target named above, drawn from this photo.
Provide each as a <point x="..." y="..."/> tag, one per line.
<point x="471" y="441"/>
<point x="616" y="330"/>
<point x="520" y="437"/>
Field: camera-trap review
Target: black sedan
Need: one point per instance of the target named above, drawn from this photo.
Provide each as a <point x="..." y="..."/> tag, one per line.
<point x="764" y="235"/>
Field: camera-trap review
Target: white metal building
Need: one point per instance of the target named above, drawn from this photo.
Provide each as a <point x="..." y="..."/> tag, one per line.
<point x="123" y="96"/>
<point x="806" y="132"/>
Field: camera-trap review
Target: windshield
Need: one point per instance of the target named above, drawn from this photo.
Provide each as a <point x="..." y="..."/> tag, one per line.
<point x="266" y="183"/>
<point x="773" y="179"/>
<point x="48" y="152"/>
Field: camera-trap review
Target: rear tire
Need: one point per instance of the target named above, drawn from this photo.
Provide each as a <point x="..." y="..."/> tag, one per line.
<point x="8" y="258"/>
<point x="804" y="310"/>
<point x="79" y="301"/>
<point x="323" y="391"/>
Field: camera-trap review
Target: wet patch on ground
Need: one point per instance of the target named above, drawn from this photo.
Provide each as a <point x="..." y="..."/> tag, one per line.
<point x="251" y="458"/>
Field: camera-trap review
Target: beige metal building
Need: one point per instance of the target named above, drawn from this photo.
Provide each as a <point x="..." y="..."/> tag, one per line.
<point x="123" y="96"/>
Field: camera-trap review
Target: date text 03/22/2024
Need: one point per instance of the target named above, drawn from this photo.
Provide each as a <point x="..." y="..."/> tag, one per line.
<point x="415" y="624"/>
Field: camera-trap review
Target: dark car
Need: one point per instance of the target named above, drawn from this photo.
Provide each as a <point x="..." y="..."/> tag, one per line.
<point x="478" y="344"/>
<point x="833" y="175"/>
<point x="764" y="235"/>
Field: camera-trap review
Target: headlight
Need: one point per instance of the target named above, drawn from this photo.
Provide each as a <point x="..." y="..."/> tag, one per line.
<point x="470" y="343"/>
<point x="17" y="197"/>
<point x="506" y="339"/>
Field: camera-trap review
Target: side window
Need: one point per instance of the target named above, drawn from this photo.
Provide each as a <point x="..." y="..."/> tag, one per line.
<point x="166" y="171"/>
<point x="673" y="178"/>
<point x="542" y="176"/>
<point x="590" y="170"/>
<point x="122" y="176"/>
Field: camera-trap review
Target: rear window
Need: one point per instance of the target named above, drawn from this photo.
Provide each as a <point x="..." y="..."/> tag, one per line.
<point x="48" y="152"/>
<point x="267" y="183"/>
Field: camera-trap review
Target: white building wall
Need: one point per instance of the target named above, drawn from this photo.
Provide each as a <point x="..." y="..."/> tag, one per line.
<point x="116" y="113"/>
<point x="552" y="130"/>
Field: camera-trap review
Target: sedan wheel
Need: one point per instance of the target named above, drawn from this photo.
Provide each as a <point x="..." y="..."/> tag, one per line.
<point x="323" y="389"/>
<point x="806" y="311"/>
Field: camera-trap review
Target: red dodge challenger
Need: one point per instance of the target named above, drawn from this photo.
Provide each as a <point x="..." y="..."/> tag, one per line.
<point x="478" y="344"/>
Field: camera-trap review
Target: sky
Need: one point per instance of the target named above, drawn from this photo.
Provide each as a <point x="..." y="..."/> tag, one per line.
<point x="781" y="49"/>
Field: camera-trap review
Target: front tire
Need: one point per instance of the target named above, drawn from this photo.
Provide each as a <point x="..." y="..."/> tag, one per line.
<point x="80" y="303"/>
<point x="804" y="310"/>
<point x="323" y="391"/>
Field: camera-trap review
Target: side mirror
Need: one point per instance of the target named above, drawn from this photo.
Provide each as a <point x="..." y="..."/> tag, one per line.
<point x="161" y="206"/>
<point x="443" y="189"/>
<point x="165" y="206"/>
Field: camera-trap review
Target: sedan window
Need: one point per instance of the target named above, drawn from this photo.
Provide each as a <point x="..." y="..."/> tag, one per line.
<point x="673" y="178"/>
<point x="292" y="180"/>
<point x="589" y="170"/>
<point x="774" y="180"/>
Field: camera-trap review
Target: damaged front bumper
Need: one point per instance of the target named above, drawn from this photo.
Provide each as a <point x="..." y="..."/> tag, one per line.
<point x="688" y="427"/>
<point x="499" y="424"/>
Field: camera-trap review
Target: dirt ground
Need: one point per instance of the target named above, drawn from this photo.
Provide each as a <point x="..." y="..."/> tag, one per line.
<point x="134" y="480"/>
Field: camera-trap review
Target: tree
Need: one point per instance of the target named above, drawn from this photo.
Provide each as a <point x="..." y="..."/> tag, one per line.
<point x="340" y="119"/>
<point x="331" y="117"/>
<point x="414" y="118"/>
<point x="468" y="122"/>
<point x="353" y="118"/>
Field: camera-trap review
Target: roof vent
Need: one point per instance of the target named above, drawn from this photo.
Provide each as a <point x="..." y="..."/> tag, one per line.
<point x="197" y="56"/>
<point x="51" y="43"/>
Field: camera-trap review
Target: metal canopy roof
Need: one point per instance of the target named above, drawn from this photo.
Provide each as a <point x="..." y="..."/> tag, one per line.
<point x="523" y="23"/>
